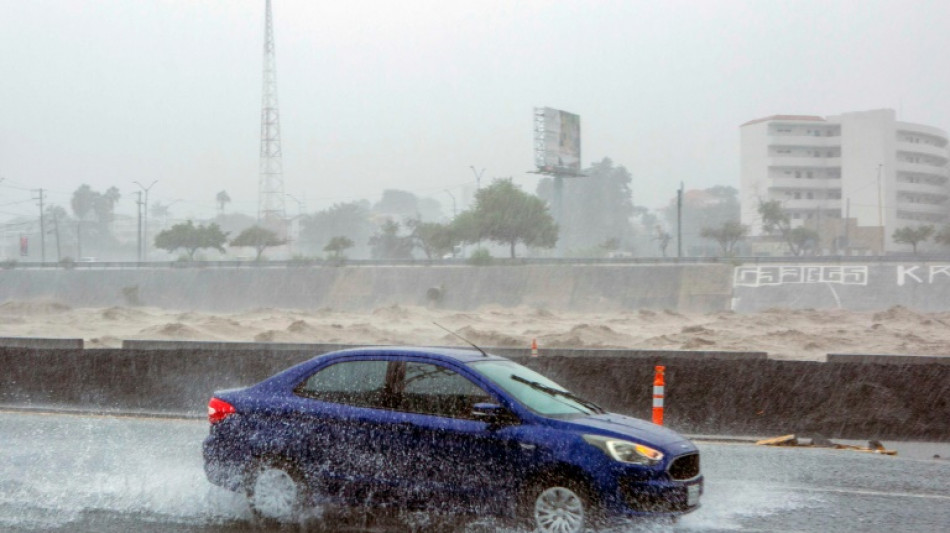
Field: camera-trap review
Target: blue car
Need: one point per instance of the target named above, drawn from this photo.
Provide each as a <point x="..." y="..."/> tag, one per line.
<point x="442" y="429"/>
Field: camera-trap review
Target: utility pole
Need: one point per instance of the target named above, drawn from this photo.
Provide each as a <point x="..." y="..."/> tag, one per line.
<point x="880" y="206"/>
<point x="143" y="228"/>
<point x="39" y="197"/>
<point x="78" y="237"/>
<point x="557" y="205"/>
<point x="59" y="256"/>
<point x="679" y="221"/>
<point x="847" y="224"/>
<point x="138" y="205"/>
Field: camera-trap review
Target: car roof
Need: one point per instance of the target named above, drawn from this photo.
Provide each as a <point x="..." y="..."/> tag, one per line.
<point x="444" y="353"/>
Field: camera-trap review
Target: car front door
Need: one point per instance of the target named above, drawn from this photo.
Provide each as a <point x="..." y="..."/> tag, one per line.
<point x="456" y="459"/>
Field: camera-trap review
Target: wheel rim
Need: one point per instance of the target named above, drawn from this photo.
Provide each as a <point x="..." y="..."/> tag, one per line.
<point x="559" y="510"/>
<point x="275" y="494"/>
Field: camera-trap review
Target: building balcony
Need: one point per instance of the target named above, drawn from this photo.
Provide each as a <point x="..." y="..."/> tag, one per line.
<point x="940" y="178"/>
<point x="933" y="209"/>
<point x="803" y="184"/>
<point x="908" y="128"/>
<point x="921" y="168"/>
<point x="812" y="205"/>
<point x="919" y="218"/>
<point x="922" y="188"/>
<point x="922" y="148"/>
<point x="804" y="162"/>
<point x="803" y="141"/>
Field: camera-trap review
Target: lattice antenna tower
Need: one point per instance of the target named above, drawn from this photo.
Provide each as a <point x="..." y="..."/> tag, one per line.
<point x="270" y="210"/>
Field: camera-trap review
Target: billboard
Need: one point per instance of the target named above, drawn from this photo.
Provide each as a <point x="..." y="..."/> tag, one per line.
<point x="557" y="141"/>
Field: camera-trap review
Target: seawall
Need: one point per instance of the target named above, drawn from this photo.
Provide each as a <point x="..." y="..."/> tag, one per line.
<point x="697" y="288"/>
<point x="682" y="287"/>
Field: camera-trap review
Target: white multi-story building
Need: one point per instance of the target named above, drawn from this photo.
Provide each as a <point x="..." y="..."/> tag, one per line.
<point x="855" y="177"/>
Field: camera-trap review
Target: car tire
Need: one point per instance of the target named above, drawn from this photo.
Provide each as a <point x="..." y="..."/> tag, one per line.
<point x="558" y="505"/>
<point x="276" y="492"/>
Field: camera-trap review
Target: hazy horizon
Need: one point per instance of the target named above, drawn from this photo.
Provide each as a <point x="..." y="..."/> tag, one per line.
<point x="410" y="95"/>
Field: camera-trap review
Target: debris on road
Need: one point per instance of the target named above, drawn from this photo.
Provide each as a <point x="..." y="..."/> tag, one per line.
<point x="874" y="446"/>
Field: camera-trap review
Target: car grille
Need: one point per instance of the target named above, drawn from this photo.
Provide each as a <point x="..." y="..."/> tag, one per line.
<point x="649" y="499"/>
<point x="685" y="467"/>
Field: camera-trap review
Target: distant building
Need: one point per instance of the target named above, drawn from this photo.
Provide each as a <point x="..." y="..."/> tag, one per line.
<point x="867" y="167"/>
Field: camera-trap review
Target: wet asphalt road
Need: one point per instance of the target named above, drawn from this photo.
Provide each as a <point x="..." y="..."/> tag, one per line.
<point x="107" y="474"/>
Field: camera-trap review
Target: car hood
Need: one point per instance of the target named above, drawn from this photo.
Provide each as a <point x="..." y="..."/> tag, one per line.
<point x="628" y="427"/>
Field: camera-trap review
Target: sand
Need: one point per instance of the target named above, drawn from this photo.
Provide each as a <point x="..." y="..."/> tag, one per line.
<point x="784" y="334"/>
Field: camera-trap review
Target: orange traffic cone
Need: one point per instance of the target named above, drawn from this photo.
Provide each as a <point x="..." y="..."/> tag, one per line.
<point x="534" y="347"/>
<point x="659" y="386"/>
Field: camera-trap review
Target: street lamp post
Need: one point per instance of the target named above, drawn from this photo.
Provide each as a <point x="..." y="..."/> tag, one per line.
<point x="478" y="177"/>
<point x="454" y="210"/>
<point x="454" y="215"/>
<point x="145" y="230"/>
<point x="679" y="221"/>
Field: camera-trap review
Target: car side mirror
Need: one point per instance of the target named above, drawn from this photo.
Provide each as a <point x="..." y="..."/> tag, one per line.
<point x="493" y="414"/>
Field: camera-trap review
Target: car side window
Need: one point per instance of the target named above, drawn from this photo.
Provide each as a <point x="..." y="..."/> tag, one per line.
<point x="436" y="390"/>
<point x="357" y="383"/>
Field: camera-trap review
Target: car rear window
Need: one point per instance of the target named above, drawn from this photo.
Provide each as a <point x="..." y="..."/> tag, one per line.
<point x="358" y="383"/>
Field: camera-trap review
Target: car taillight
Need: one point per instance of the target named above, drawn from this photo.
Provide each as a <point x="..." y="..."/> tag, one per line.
<point x="218" y="410"/>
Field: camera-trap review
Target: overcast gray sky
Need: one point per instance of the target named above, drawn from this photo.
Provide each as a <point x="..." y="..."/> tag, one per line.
<point x="410" y="94"/>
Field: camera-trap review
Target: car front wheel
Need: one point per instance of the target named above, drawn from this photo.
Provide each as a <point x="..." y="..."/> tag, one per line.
<point x="559" y="507"/>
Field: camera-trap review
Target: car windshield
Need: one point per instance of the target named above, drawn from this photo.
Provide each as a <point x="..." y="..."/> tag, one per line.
<point x="534" y="391"/>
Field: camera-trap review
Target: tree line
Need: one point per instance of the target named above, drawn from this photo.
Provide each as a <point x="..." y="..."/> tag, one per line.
<point x="501" y="213"/>
<point x="599" y="218"/>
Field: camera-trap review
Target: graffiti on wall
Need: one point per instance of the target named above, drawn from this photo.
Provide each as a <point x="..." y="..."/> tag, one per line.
<point x="769" y="275"/>
<point x="766" y="275"/>
<point x="921" y="274"/>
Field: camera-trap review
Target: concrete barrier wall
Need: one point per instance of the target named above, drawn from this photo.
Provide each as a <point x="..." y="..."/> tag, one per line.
<point x="854" y="286"/>
<point x="746" y="396"/>
<point x="684" y="287"/>
<point x="699" y="288"/>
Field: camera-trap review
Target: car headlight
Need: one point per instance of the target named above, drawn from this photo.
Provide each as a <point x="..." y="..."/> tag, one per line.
<point x="626" y="451"/>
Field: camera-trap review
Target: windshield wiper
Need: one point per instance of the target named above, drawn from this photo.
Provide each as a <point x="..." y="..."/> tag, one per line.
<point x="558" y="392"/>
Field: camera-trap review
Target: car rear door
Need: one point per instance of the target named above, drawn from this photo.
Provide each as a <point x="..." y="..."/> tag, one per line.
<point x="345" y="423"/>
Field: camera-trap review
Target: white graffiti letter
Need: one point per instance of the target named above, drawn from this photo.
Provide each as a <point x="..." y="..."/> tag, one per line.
<point x="903" y="272"/>
<point x="936" y="270"/>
